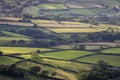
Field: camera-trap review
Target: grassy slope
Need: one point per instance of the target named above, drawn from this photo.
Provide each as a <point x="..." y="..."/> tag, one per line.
<point x="60" y="73"/>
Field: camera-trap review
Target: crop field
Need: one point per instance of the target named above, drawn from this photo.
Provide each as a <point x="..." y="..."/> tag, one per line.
<point x="20" y="50"/>
<point x="7" y="60"/>
<point x="67" y="54"/>
<point x="110" y="59"/>
<point x="112" y="50"/>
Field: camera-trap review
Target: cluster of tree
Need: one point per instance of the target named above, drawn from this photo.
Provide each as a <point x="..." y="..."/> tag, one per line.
<point x="1" y="53"/>
<point x="101" y="71"/>
<point x="12" y="71"/>
<point x="45" y="43"/>
<point x="18" y="43"/>
<point x="76" y="38"/>
<point x="38" y="69"/>
<point x="37" y="34"/>
<point x="103" y="36"/>
<point x="33" y="43"/>
<point x="1" y="33"/>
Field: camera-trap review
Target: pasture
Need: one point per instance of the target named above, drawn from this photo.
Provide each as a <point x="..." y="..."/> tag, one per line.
<point x="110" y="59"/>
<point x="112" y="50"/>
<point x="66" y="54"/>
<point x="7" y="60"/>
<point x="20" y="50"/>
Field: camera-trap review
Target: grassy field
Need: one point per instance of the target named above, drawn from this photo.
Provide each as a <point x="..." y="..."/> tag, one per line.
<point x="110" y="59"/>
<point x="16" y="50"/>
<point x="67" y="54"/>
<point x="50" y="6"/>
<point x="7" y="60"/>
<point x="17" y="23"/>
<point x="112" y="50"/>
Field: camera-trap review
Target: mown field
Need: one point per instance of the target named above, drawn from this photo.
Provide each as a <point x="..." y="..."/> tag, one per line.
<point x="20" y="50"/>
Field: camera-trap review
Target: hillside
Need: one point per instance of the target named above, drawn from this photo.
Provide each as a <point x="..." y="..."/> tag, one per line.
<point x="59" y="39"/>
<point x="39" y="8"/>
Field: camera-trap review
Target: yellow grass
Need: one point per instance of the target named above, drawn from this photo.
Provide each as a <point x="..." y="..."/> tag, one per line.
<point x="75" y="30"/>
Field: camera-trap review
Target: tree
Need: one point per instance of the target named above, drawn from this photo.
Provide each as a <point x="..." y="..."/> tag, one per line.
<point x="38" y="51"/>
<point x="54" y="73"/>
<point x="45" y="73"/>
<point x="35" y="69"/>
<point x="1" y="53"/>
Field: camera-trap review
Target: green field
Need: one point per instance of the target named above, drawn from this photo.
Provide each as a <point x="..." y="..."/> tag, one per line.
<point x="7" y="60"/>
<point x="50" y="6"/>
<point x="110" y="59"/>
<point x="112" y="50"/>
<point x="16" y="50"/>
<point x="67" y="54"/>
